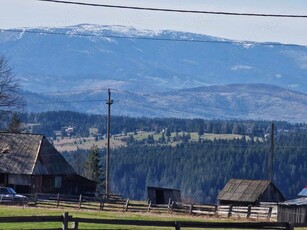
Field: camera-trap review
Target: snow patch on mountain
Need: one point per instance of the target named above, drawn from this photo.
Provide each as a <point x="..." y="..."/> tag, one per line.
<point x="241" y="67"/>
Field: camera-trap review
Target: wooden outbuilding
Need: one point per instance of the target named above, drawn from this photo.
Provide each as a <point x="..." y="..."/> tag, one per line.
<point x="294" y="211"/>
<point x="162" y="195"/>
<point x="249" y="192"/>
<point x="30" y="164"/>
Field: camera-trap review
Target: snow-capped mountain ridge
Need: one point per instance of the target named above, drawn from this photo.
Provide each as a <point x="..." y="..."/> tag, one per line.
<point x="93" y="56"/>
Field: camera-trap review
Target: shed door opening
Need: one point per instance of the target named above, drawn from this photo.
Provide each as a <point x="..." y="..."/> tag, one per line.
<point x="2" y="180"/>
<point x="159" y="197"/>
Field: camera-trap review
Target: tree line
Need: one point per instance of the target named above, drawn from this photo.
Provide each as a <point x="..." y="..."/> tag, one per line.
<point x="48" y="122"/>
<point x="201" y="169"/>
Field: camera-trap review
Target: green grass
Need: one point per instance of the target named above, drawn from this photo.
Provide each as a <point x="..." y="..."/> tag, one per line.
<point x="38" y="211"/>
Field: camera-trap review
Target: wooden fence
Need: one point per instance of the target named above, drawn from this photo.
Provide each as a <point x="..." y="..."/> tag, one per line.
<point x="116" y="203"/>
<point x="74" y="222"/>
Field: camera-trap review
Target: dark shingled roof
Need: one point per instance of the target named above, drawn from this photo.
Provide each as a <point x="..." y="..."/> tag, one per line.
<point x="243" y="190"/>
<point x="31" y="154"/>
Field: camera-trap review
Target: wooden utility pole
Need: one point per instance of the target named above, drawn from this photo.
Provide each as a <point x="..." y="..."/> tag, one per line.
<point x="271" y="156"/>
<point x="109" y="103"/>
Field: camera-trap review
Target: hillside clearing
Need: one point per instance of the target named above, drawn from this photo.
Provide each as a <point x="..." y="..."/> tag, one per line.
<point x="119" y="140"/>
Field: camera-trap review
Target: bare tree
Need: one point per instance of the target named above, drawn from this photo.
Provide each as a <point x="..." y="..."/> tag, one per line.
<point x="9" y="88"/>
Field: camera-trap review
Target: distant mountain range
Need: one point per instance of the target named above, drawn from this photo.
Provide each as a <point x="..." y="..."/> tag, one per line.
<point x="237" y="101"/>
<point x="159" y="74"/>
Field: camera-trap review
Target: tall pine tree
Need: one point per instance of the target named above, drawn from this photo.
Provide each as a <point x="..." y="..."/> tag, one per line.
<point x="93" y="168"/>
<point x="15" y="125"/>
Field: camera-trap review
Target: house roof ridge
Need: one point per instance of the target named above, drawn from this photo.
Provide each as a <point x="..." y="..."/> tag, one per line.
<point x="32" y="134"/>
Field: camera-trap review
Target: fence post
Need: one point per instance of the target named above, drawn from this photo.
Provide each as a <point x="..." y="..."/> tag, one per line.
<point x="58" y="200"/>
<point x="80" y="201"/>
<point x="172" y="206"/>
<point x="230" y="211"/>
<point x="149" y="206"/>
<point x="101" y="203"/>
<point x="126" y="205"/>
<point x="169" y="207"/>
<point x="291" y="226"/>
<point x="75" y="225"/>
<point x="35" y="199"/>
<point x="191" y="209"/>
<point x="270" y="213"/>
<point x="177" y="225"/>
<point x="65" y="221"/>
<point x="216" y="210"/>
<point x="249" y="211"/>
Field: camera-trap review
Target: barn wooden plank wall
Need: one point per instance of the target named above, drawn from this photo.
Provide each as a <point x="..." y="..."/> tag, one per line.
<point x="292" y="213"/>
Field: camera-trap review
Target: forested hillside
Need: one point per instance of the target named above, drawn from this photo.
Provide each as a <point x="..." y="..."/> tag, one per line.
<point x="46" y="123"/>
<point x="201" y="169"/>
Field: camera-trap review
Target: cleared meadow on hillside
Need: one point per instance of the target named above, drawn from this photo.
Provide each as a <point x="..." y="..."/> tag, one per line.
<point x="75" y="143"/>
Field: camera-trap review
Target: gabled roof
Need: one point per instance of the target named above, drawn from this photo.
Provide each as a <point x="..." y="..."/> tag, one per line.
<point x="297" y="202"/>
<point x="243" y="190"/>
<point x="303" y="193"/>
<point x="31" y="154"/>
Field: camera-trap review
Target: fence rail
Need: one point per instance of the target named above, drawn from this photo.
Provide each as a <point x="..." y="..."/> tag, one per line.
<point x="116" y="203"/>
<point x="66" y="219"/>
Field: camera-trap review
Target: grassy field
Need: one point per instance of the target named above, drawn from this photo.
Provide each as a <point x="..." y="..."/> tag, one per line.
<point x="72" y="144"/>
<point x="6" y="211"/>
<point x="34" y="211"/>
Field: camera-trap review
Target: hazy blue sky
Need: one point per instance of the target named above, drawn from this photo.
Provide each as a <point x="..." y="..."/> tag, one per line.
<point x="31" y="13"/>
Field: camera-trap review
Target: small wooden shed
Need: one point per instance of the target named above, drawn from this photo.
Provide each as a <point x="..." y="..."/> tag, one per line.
<point x="294" y="211"/>
<point x="162" y="195"/>
<point x="249" y="192"/>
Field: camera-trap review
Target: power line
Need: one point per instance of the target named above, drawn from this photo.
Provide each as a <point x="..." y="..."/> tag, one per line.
<point x="68" y="102"/>
<point x="177" y="10"/>
<point x="149" y="38"/>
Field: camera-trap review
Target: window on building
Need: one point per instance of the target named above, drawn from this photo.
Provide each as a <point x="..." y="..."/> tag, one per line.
<point x="58" y="182"/>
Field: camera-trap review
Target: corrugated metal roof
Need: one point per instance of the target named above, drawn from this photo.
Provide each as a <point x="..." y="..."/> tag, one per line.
<point x="30" y="154"/>
<point x="243" y="190"/>
<point x="299" y="201"/>
<point x="303" y="192"/>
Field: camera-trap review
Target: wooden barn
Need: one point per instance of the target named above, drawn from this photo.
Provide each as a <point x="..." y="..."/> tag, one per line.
<point x="162" y="195"/>
<point x="30" y="164"/>
<point x="249" y="192"/>
<point x="294" y="211"/>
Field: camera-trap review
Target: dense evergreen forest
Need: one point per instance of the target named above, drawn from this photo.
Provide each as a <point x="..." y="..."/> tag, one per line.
<point x="48" y="122"/>
<point x="200" y="169"/>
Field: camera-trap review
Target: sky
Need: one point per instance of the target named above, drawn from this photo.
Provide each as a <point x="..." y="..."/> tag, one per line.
<point x="33" y="13"/>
